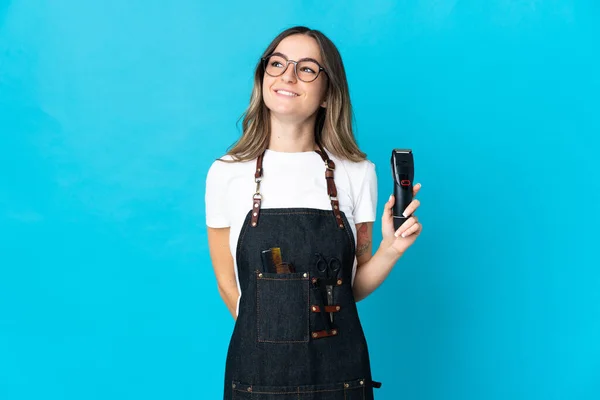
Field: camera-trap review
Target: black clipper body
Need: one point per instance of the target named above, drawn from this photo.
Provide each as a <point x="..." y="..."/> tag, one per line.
<point x="403" y="171"/>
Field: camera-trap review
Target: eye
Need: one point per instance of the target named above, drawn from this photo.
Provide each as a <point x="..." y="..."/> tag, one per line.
<point x="276" y="62"/>
<point x="308" y="68"/>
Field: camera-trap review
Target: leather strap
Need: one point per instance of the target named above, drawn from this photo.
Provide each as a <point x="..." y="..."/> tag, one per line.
<point x="328" y="309"/>
<point x="257" y="197"/>
<point x="326" y="281"/>
<point x="323" y="333"/>
<point x="331" y="188"/>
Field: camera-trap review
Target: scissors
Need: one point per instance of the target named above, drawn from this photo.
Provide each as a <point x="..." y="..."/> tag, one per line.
<point x="331" y="269"/>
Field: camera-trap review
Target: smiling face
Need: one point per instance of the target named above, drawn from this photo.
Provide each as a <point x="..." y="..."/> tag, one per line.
<point x="286" y="96"/>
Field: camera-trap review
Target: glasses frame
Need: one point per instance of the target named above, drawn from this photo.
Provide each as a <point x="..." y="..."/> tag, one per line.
<point x="287" y="64"/>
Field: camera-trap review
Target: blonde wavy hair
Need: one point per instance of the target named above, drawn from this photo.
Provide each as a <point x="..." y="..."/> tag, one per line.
<point x="334" y="124"/>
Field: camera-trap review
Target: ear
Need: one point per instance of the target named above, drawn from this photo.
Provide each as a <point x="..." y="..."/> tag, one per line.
<point x="324" y="104"/>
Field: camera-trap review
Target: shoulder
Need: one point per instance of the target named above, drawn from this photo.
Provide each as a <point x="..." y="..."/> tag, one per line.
<point x="223" y="168"/>
<point x="357" y="171"/>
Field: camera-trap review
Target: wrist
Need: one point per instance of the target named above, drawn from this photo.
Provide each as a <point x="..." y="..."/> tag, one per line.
<point x="388" y="250"/>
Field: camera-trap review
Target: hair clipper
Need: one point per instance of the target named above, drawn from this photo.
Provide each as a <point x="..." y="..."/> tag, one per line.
<point x="403" y="171"/>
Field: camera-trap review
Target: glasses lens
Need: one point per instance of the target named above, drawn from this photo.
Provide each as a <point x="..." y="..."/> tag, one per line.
<point x="275" y="65"/>
<point x="307" y="71"/>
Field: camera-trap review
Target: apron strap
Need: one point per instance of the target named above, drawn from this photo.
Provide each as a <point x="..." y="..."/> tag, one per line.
<point x="331" y="189"/>
<point x="257" y="197"/>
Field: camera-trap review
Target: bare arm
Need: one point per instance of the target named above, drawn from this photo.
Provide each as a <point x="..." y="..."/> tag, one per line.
<point x="369" y="271"/>
<point x="372" y="270"/>
<point x="222" y="261"/>
<point x="364" y="244"/>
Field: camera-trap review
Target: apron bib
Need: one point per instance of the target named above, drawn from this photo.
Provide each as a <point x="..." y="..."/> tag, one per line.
<point x="284" y="344"/>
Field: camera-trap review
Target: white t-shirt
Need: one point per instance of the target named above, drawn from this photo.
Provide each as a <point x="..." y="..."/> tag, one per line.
<point x="289" y="180"/>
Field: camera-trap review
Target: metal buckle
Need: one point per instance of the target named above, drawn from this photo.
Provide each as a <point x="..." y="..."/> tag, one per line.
<point x="257" y="185"/>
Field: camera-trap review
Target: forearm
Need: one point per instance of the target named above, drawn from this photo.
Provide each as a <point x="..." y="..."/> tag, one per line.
<point x="370" y="275"/>
<point x="230" y="294"/>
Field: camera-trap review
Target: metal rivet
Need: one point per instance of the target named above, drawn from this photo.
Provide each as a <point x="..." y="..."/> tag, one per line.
<point x="249" y="389"/>
<point x="335" y="207"/>
<point x="260" y="275"/>
<point x="233" y="385"/>
<point x="255" y="205"/>
<point x="334" y="332"/>
<point x="338" y="216"/>
<point x="315" y="335"/>
<point x="254" y="224"/>
<point x="305" y="275"/>
<point x="337" y="308"/>
<point x="362" y="382"/>
<point x="314" y="308"/>
<point x="255" y="214"/>
<point x="346" y="385"/>
<point x="341" y="226"/>
<point x="339" y="281"/>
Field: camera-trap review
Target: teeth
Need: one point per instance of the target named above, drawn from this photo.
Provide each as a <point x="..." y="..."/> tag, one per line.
<point x="287" y="93"/>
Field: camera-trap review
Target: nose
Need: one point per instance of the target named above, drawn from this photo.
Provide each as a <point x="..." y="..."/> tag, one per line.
<point x="289" y="75"/>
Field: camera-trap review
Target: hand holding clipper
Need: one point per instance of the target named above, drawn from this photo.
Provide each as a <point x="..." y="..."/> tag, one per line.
<point x="403" y="174"/>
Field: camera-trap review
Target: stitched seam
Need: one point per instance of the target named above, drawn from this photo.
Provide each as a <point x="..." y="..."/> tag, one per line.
<point x="353" y="386"/>
<point x="284" y="279"/>
<point x="307" y="311"/>
<point x="295" y="213"/>
<point x="300" y="391"/>
<point x="257" y="312"/>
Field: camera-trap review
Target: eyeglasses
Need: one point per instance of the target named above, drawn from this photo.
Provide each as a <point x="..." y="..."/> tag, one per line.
<point x="306" y="70"/>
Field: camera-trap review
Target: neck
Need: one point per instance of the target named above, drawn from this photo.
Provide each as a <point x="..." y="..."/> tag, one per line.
<point x="292" y="137"/>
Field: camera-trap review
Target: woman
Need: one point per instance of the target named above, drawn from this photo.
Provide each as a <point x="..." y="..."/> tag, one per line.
<point x="290" y="210"/>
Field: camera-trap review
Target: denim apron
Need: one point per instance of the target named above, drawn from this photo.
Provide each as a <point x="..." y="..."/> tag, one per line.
<point x="284" y="345"/>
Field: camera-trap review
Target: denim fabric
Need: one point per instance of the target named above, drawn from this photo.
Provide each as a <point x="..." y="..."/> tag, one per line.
<point x="272" y="354"/>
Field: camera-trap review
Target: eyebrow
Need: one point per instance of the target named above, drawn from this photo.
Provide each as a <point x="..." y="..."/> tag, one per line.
<point x="302" y="59"/>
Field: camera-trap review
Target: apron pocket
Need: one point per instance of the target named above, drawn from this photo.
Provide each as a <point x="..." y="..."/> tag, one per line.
<point x="349" y="390"/>
<point x="282" y="307"/>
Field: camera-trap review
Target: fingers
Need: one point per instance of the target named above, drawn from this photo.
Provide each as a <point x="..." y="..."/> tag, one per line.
<point x="387" y="209"/>
<point x="409" y="227"/>
<point x="412" y="230"/>
<point x="411" y="207"/>
<point x="416" y="189"/>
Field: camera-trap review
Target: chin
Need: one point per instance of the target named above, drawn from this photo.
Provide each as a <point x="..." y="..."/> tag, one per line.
<point x="287" y="112"/>
<point x="287" y="115"/>
<point x="284" y="111"/>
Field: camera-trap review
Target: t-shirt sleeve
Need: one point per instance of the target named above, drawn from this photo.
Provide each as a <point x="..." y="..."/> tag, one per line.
<point x="365" y="204"/>
<point x="215" y="196"/>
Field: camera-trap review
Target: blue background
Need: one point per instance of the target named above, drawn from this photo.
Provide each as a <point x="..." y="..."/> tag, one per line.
<point x="111" y="113"/>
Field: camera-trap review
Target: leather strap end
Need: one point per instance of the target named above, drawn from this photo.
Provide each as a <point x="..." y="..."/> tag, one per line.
<point x="323" y="333"/>
<point x="255" y="211"/>
<point x="329" y="309"/>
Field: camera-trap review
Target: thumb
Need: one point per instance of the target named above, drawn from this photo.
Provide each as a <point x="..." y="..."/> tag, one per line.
<point x="387" y="209"/>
